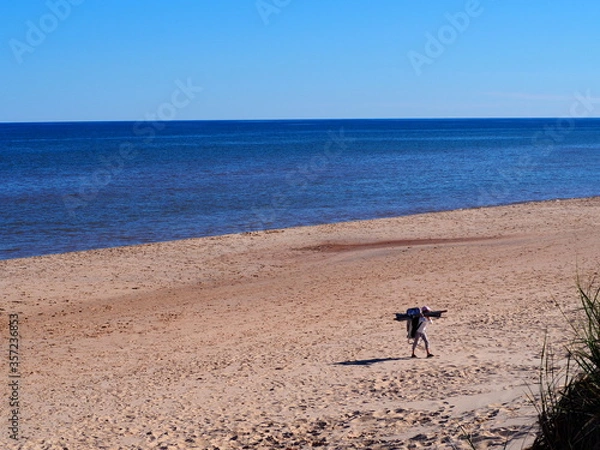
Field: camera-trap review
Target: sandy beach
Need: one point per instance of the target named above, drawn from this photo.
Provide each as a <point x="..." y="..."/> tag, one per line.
<point x="285" y="339"/>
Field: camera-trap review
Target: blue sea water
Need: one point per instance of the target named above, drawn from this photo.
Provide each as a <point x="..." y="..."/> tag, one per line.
<point x="79" y="186"/>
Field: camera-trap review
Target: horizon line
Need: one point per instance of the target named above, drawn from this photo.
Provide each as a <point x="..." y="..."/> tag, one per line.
<point x="305" y="119"/>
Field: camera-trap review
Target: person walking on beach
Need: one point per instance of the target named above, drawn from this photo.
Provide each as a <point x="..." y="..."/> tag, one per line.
<point x="420" y="325"/>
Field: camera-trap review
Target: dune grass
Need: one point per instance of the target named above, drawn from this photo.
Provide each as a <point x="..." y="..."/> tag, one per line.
<point x="569" y="401"/>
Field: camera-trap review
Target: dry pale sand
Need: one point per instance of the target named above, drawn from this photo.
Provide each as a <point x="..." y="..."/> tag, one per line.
<point x="286" y="339"/>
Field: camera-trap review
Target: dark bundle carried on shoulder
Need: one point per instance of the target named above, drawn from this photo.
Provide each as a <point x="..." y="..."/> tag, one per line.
<point x="412" y="316"/>
<point x="411" y="313"/>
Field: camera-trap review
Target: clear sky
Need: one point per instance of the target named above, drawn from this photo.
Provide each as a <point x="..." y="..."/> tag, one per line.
<point x="278" y="59"/>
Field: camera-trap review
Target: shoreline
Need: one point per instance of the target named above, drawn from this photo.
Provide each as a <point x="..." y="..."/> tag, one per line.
<point x="272" y="230"/>
<point x="286" y="338"/>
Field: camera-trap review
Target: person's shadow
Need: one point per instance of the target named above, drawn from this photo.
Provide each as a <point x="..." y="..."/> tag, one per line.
<point x="369" y="362"/>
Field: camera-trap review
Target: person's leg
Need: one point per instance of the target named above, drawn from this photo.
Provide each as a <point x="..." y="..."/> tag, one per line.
<point x="424" y="337"/>
<point x="415" y="343"/>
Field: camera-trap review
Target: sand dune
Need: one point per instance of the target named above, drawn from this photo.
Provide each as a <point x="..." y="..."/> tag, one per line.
<point x="285" y="339"/>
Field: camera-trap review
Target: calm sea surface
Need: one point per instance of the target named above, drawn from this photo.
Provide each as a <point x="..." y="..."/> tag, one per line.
<point x="78" y="186"/>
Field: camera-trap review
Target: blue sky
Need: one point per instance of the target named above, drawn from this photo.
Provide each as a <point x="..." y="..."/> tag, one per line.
<point x="278" y="59"/>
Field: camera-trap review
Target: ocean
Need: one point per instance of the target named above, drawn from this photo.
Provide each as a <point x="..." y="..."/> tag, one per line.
<point x="86" y="185"/>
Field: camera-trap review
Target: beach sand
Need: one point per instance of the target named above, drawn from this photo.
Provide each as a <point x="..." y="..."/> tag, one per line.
<point x="285" y="339"/>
